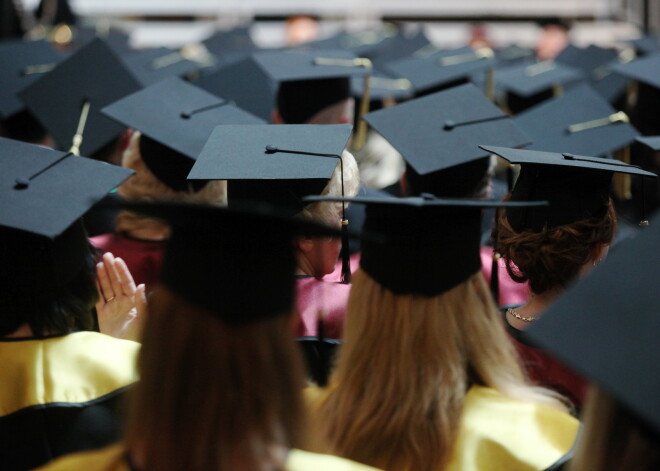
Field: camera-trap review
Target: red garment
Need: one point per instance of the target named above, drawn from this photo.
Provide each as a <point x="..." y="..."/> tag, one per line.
<point x="544" y="370"/>
<point x="314" y="296"/>
<point x="510" y="291"/>
<point x="143" y="257"/>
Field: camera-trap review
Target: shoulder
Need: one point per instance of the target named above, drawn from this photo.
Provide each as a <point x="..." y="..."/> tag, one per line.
<point x="515" y="434"/>
<point x="74" y="369"/>
<point x="105" y="459"/>
<point x="299" y="460"/>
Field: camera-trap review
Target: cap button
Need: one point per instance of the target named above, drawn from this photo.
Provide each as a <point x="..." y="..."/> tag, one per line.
<point x="185" y="115"/>
<point x="568" y="156"/>
<point x="270" y="149"/>
<point x="449" y="125"/>
<point x="21" y="183"/>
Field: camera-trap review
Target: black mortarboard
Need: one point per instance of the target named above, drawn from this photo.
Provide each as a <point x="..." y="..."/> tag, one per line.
<point x="645" y="70"/>
<point x="153" y="65"/>
<point x="588" y="330"/>
<point x="68" y="100"/>
<point x="428" y="72"/>
<point x="646" y="45"/>
<point x="595" y="62"/>
<point x="362" y="43"/>
<point x="215" y="255"/>
<point x="525" y="80"/>
<point x="278" y="164"/>
<point x="44" y="194"/>
<point x="427" y="245"/>
<point x="580" y="120"/>
<point x="235" y="40"/>
<point x="21" y="63"/>
<point x="444" y="129"/>
<point x="577" y="187"/>
<point x="652" y="142"/>
<point x="397" y="47"/>
<point x="178" y="116"/>
<point x="116" y="38"/>
<point x="264" y="71"/>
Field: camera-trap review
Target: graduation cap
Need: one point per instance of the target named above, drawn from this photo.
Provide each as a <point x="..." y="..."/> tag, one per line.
<point x="44" y="195"/>
<point x="645" y="70"/>
<point x="265" y="71"/>
<point x="577" y="187"/>
<point x="363" y="43"/>
<point x="437" y="69"/>
<point x="155" y="64"/>
<point x="279" y="164"/>
<point x="595" y="62"/>
<point x="175" y="118"/>
<point x="22" y="62"/>
<point x="210" y="247"/>
<point x="580" y="120"/>
<point x="526" y="80"/>
<point x="618" y="353"/>
<point x="653" y="142"/>
<point x="649" y="44"/>
<point x="419" y="252"/>
<point x="443" y="130"/>
<point x="68" y="100"/>
<point x="236" y="40"/>
<point x="383" y="88"/>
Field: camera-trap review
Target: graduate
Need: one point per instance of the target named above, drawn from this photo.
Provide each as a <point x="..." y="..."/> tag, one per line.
<point x="220" y="375"/>
<point x="62" y="384"/>
<point x="550" y="248"/>
<point x="426" y="378"/>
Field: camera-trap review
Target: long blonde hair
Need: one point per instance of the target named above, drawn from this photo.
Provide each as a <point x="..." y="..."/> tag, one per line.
<point x="613" y="440"/>
<point x="145" y="186"/>
<point x="406" y="363"/>
<point x="214" y="395"/>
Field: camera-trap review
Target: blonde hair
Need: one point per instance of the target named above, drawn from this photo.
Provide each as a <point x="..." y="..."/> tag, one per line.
<point x="406" y="363"/>
<point x="145" y="186"/>
<point x="613" y="440"/>
<point x="330" y="213"/>
<point x="214" y="395"/>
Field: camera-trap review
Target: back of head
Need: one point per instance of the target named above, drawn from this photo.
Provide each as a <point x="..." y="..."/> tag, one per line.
<point x="466" y="180"/>
<point x="214" y="395"/>
<point x="298" y="101"/>
<point x="405" y="366"/>
<point x="47" y="284"/>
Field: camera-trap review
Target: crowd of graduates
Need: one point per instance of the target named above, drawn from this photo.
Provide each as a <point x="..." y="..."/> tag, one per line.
<point x="357" y="252"/>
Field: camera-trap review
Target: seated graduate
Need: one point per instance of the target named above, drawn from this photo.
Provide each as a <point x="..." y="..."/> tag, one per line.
<point x="62" y="384"/>
<point x="169" y="136"/>
<point x="618" y="354"/>
<point x="220" y="375"/>
<point x="426" y="377"/>
<point x="550" y="248"/>
<point x="302" y="160"/>
<point x="438" y="136"/>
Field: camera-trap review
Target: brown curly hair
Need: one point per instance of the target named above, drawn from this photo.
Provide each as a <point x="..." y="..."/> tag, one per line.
<point x="552" y="258"/>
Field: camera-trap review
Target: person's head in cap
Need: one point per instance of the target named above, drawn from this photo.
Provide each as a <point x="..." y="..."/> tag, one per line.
<point x="22" y="63"/>
<point x="47" y="263"/>
<point x="586" y="329"/>
<point x="438" y="137"/>
<point x="221" y="376"/>
<point x="67" y="101"/>
<point x="553" y="246"/>
<point x="421" y="326"/>
<point x="169" y="136"/>
<point x="281" y="165"/>
<point x="553" y="37"/>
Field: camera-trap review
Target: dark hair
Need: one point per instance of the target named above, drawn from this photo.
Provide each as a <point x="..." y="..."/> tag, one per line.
<point x="461" y="181"/>
<point x="299" y="100"/>
<point x="552" y="258"/>
<point x="29" y="295"/>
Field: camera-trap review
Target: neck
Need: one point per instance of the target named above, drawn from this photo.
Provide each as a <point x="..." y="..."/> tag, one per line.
<point x="533" y="308"/>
